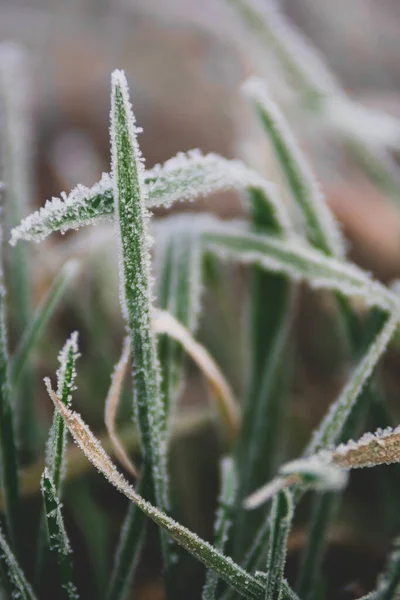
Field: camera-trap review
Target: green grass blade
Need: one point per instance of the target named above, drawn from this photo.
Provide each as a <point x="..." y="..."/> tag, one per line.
<point x="8" y="450"/>
<point x="186" y="177"/>
<point x="331" y="427"/>
<point x="22" y="588"/>
<point x="134" y="263"/>
<point x="129" y="546"/>
<point x="56" y="444"/>
<point x="59" y="543"/>
<point x="298" y="261"/>
<point x="222" y="522"/>
<point x="322" y="230"/>
<point x="41" y="319"/>
<point x="178" y="275"/>
<point x="66" y="374"/>
<point x="15" y="171"/>
<point x="281" y="520"/>
<point x="244" y="583"/>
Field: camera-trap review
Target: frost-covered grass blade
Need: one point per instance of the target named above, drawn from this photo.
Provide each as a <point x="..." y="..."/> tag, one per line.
<point x="281" y="520"/>
<point x="298" y="261"/>
<point x="223" y="521"/>
<point x="59" y="543"/>
<point x="322" y="230"/>
<point x="244" y="583"/>
<point x="185" y="177"/>
<point x="21" y="588"/>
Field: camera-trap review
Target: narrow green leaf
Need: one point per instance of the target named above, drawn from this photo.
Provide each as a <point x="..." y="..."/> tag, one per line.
<point x="41" y="319"/>
<point x="59" y="543"/>
<point x="16" y="171"/>
<point x="178" y="276"/>
<point x="281" y="520"/>
<point x="66" y="374"/>
<point x="223" y="521"/>
<point x="17" y="578"/>
<point x="244" y="583"/>
<point x="129" y="546"/>
<point x="185" y="177"/>
<point x="136" y="298"/>
<point x="322" y="230"/>
<point x="8" y="450"/>
<point x="299" y="262"/>
<point x="330" y="429"/>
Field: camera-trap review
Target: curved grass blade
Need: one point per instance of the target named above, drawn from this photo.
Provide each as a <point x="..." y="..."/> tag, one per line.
<point x="185" y="177"/>
<point x="281" y="520"/>
<point x="244" y="583"/>
<point x="8" y="449"/>
<point x="59" y="543"/>
<point x="298" y="261"/>
<point x="389" y="582"/>
<point x="222" y="522"/>
<point x="42" y="317"/>
<point x="23" y="590"/>
<point x="322" y="230"/>
<point x="16" y="171"/>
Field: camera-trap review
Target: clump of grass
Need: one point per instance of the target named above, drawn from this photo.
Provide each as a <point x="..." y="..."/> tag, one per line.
<point x="248" y="553"/>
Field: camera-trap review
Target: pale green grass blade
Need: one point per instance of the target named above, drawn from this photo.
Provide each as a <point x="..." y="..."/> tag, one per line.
<point x="59" y="543"/>
<point x="304" y="65"/>
<point x="22" y="588"/>
<point x="331" y="427"/>
<point x="244" y="583"/>
<point x="298" y="261"/>
<point x="178" y="288"/>
<point x="223" y="522"/>
<point x="281" y="521"/>
<point x="8" y="449"/>
<point x="186" y="177"/>
<point x="16" y="171"/>
<point x="41" y="319"/>
<point x="135" y="291"/>
<point x="322" y="230"/>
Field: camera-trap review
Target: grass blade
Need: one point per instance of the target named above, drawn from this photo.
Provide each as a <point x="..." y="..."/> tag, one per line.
<point x="59" y="543"/>
<point x="244" y="583"/>
<point x="15" y="171"/>
<point x="178" y="275"/>
<point x="41" y="319"/>
<point x="298" y="261"/>
<point x="281" y="520"/>
<point x="183" y="178"/>
<point x="322" y="230"/>
<point x="8" y="450"/>
<point x="129" y="545"/>
<point x="134" y="264"/>
<point x="332" y="425"/>
<point x="389" y="582"/>
<point x="222" y="522"/>
<point x="23" y="590"/>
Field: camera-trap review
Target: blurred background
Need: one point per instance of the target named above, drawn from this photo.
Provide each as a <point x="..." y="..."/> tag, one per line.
<point x="185" y="62"/>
